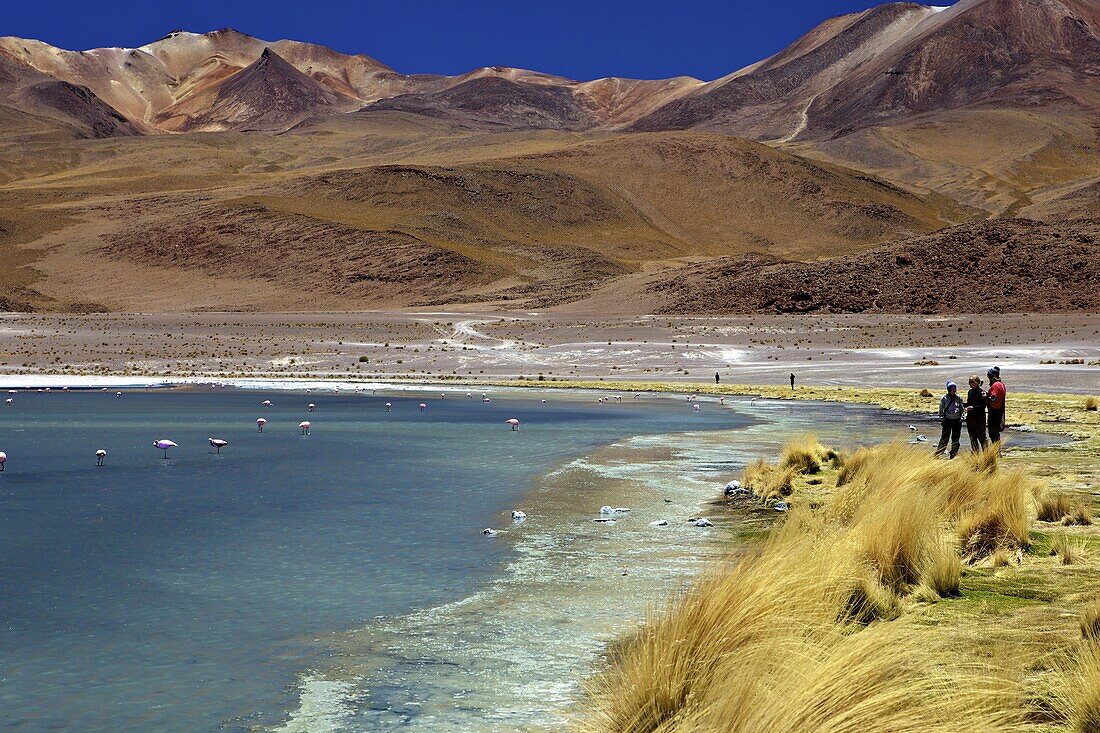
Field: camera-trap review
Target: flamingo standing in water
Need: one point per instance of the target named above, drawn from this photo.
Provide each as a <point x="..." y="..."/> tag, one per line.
<point x="164" y="445"/>
<point x="389" y="407"/>
<point x="7" y="401"/>
<point x="3" y="459"/>
<point x="99" y="456"/>
<point x="513" y="422"/>
<point x="312" y="407"/>
<point x="260" y="422"/>
<point x="266" y="403"/>
<point x="218" y="443"/>
<point x="304" y="425"/>
<point x="423" y="407"/>
<point x="118" y="395"/>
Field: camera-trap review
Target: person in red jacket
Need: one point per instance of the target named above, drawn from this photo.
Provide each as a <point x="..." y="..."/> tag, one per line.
<point x="995" y="420"/>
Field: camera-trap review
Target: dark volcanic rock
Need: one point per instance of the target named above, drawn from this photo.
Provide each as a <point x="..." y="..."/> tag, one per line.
<point x="1010" y="265"/>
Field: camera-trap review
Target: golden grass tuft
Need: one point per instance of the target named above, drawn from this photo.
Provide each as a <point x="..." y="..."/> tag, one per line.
<point x="1091" y="404"/>
<point x="1000" y="517"/>
<point x="805" y="455"/>
<point x="926" y="393"/>
<point x="1081" y="690"/>
<point x="1001" y="558"/>
<point x="1053" y="507"/>
<point x="1090" y="622"/>
<point x="1067" y="550"/>
<point x="1081" y="516"/>
<point x="942" y="572"/>
<point x="768" y="482"/>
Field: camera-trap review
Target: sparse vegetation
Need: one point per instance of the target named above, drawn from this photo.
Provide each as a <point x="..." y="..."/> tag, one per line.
<point x="1091" y="404"/>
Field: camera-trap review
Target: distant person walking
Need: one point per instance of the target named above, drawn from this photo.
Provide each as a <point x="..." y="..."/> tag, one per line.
<point x="975" y="414"/>
<point x="951" y="415"/>
<point x="717" y="378"/>
<point x="995" y="400"/>
<point x="792" y="380"/>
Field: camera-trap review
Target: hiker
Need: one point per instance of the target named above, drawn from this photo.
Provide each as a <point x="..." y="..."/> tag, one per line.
<point x="995" y="401"/>
<point x="951" y="414"/>
<point x="717" y="379"/>
<point x="792" y="380"/>
<point x="975" y="414"/>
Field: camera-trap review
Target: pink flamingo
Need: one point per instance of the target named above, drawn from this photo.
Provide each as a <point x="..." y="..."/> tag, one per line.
<point x="266" y="403"/>
<point x="389" y="407"/>
<point x="218" y="443"/>
<point x="164" y="445"/>
<point x="312" y="407"/>
<point x="304" y="425"/>
<point x="3" y="459"/>
<point x="513" y="422"/>
<point x="423" y="407"/>
<point x="260" y="422"/>
<point x="99" y="456"/>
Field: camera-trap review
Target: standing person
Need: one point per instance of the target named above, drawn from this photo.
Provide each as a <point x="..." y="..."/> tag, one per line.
<point x="717" y="378"/>
<point x="792" y="380"/>
<point x="975" y="414"/>
<point x="951" y="414"/>
<point x="995" y="399"/>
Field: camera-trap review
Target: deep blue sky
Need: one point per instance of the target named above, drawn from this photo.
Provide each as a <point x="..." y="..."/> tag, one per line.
<point x="581" y="39"/>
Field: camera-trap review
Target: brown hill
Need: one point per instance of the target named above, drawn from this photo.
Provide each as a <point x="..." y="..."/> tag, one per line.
<point x="269" y="94"/>
<point x="498" y="102"/>
<point x="33" y="103"/>
<point x="768" y="99"/>
<point x="1011" y="265"/>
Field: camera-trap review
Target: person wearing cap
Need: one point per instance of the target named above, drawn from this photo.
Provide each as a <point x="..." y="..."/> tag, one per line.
<point x="995" y="402"/>
<point x="975" y="414"/>
<point x="951" y="414"/>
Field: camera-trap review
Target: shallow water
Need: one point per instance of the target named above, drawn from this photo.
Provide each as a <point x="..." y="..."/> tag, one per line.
<point x="339" y="581"/>
<point x="185" y="594"/>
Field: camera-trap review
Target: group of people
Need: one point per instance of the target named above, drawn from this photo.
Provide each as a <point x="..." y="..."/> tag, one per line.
<point x="983" y="411"/>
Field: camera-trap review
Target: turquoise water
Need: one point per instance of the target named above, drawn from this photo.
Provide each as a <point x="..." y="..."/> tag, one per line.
<point x="187" y="594"/>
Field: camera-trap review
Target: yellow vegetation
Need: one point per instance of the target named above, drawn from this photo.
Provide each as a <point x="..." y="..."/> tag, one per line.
<point x="800" y="634"/>
<point x="1091" y="404"/>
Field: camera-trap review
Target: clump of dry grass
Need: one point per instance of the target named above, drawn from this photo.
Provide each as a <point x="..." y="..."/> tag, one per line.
<point x="1068" y="551"/>
<point x="1080" y="689"/>
<point x="1053" y="507"/>
<point x="768" y="482"/>
<point x="999" y="517"/>
<point x="805" y="455"/>
<point x="942" y="573"/>
<point x="926" y="393"/>
<point x="1001" y="558"/>
<point x="1091" y="404"/>
<point x="1090" y="621"/>
<point x="1081" y="516"/>
<point x="870" y="601"/>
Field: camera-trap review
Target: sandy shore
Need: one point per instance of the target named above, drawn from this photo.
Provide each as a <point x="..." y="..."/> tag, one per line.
<point x="1035" y="352"/>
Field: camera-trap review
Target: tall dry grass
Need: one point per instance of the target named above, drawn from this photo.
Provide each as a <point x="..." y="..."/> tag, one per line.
<point x="800" y="635"/>
<point x="1077" y="696"/>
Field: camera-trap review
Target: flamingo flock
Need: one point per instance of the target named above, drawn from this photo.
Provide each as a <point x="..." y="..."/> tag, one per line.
<point x="165" y="445"/>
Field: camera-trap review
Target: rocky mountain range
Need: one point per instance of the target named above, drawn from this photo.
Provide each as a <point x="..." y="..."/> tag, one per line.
<point x="194" y="160"/>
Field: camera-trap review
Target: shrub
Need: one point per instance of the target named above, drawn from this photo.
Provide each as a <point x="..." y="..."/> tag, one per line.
<point x="1091" y="404"/>
<point x="926" y="393"/>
